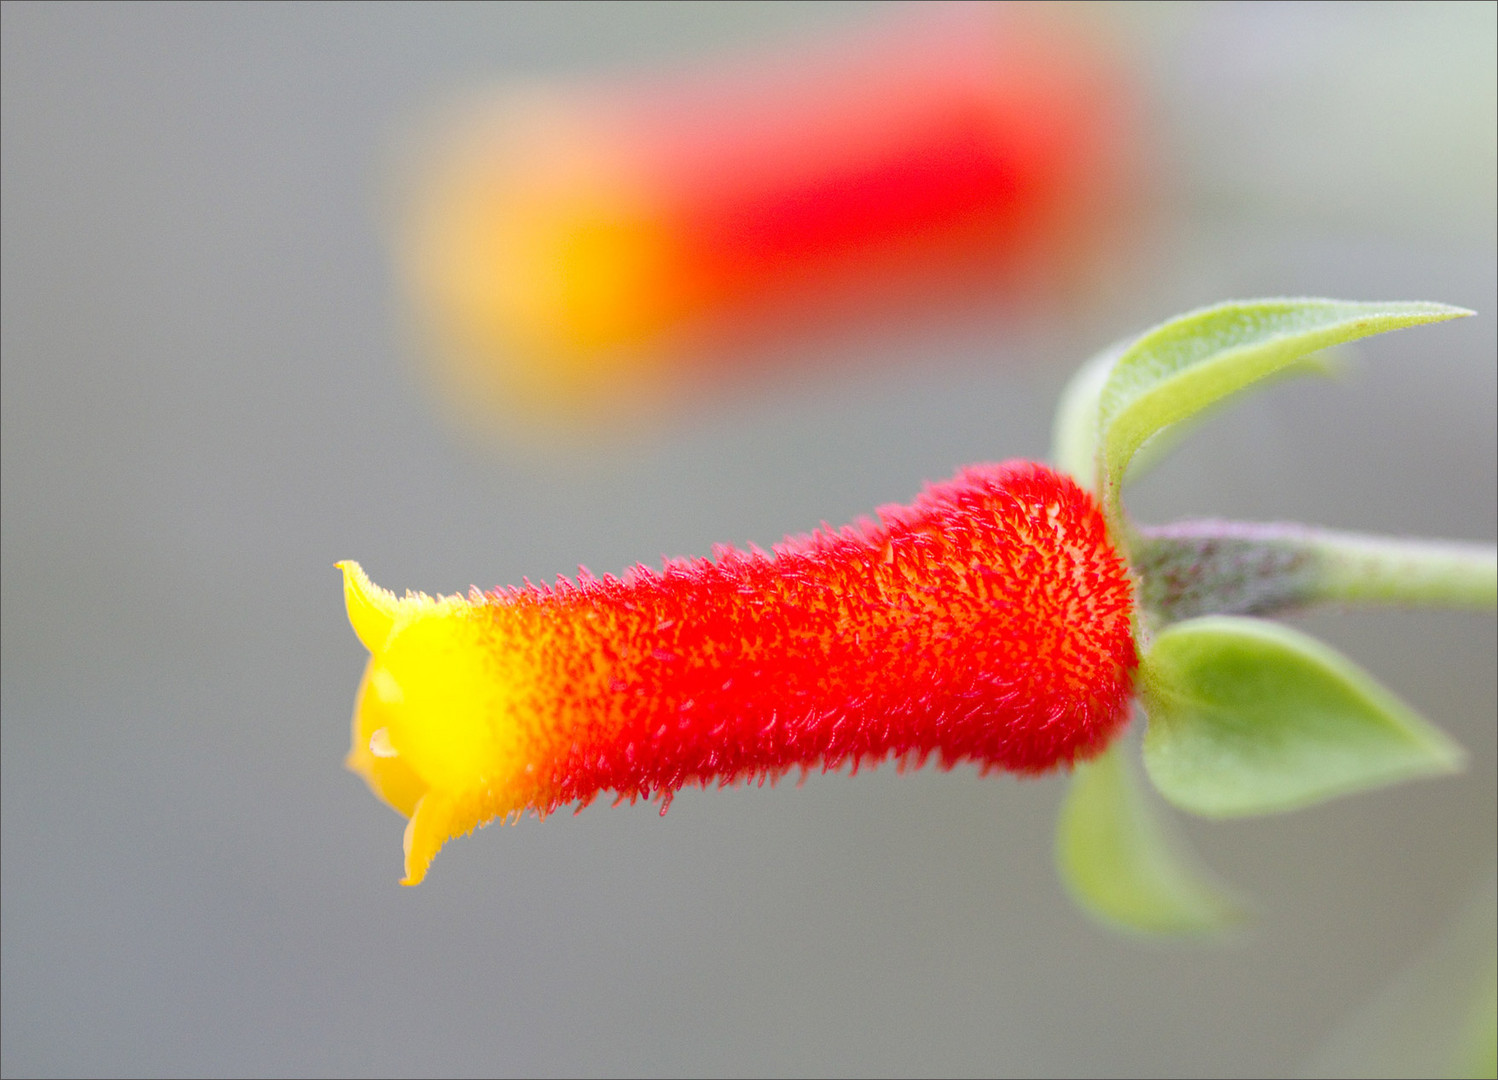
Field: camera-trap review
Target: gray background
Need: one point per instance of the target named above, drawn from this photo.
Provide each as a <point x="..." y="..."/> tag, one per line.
<point x="207" y="400"/>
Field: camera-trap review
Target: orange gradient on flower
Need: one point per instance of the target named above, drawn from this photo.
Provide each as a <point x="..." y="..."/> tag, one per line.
<point x="567" y="246"/>
<point x="990" y="622"/>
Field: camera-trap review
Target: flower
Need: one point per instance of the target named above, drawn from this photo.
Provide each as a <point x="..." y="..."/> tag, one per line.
<point x="989" y="622"/>
<point x="564" y="245"/>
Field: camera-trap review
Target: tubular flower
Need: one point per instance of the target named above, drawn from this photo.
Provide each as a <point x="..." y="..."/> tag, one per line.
<point x="561" y="243"/>
<point x="989" y="622"/>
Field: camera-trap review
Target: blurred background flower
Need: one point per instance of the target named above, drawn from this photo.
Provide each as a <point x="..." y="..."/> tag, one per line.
<point x="207" y="400"/>
<point x="576" y="251"/>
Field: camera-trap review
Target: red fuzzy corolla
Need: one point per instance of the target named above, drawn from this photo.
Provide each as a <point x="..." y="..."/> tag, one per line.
<point x="989" y="622"/>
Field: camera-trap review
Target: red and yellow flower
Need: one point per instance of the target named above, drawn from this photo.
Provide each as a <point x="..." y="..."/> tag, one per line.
<point x="564" y="245"/>
<point x="990" y="622"/>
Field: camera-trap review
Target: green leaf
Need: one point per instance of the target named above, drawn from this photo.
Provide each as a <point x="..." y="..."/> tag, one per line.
<point x="1477" y="1051"/>
<point x="1437" y="1017"/>
<point x="1121" y="867"/>
<point x="1189" y="363"/>
<point x="1158" y="446"/>
<point x="1074" y="435"/>
<point x="1251" y="717"/>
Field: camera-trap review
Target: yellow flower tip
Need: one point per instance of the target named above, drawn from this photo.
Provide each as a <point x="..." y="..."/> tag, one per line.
<point x="430" y="827"/>
<point x="372" y="755"/>
<point x="371" y="609"/>
<point x="432" y="726"/>
<point x="544" y="261"/>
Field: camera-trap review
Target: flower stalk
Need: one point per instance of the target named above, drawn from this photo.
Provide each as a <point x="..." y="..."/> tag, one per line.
<point x="1191" y="568"/>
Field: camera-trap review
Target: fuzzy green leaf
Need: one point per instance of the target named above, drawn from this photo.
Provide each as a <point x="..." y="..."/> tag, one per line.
<point x="1074" y="434"/>
<point x="1438" y="1017"/>
<point x="1119" y="864"/>
<point x="1250" y="717"/>
<point x="1185" y="365"/>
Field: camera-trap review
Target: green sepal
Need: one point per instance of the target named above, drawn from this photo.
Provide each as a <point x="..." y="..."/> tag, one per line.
<point x="1120" y="865"/>
<point x="1192" y="362"/>
<point x="1437" y="1017"/>
<point x="1074" y="433"/>
<point x="1477" y="1051"/>
<point x="1324" y="364"/>
<point x="1250" y="717"/>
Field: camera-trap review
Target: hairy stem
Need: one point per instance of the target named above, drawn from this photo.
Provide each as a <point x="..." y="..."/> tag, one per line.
<point x="1192" y="568"/>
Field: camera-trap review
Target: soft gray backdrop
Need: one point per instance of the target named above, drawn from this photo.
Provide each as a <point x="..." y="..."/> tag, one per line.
<point x="207" y="401"/>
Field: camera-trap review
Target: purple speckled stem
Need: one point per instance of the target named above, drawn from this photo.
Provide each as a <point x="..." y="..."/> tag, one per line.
<point x="1192" y="568"/>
